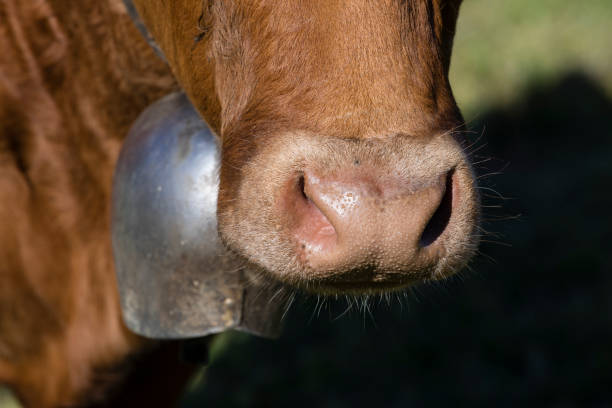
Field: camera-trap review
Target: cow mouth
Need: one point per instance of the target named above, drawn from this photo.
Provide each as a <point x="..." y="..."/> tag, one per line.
<point x="366" y="286"/>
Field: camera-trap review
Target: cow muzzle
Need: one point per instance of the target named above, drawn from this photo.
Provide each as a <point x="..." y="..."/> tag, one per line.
<point x="333" y="215"/>
<point x="175" y="278"/>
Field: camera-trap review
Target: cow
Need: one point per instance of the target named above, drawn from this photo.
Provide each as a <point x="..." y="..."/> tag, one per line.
<point x="342" y="167"/>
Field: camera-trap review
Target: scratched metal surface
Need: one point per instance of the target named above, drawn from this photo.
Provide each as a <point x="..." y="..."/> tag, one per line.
<point x="175" y="278"/>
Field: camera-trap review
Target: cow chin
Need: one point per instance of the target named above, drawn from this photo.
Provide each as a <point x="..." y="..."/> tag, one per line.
<point x="333" y="215"/>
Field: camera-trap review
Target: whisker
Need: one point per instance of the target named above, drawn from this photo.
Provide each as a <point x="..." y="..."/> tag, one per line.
<point x="348" y="308"/>
<point x="495" y="173"/>
<point x="495" y="197"/>
<point x="288" y="305"/>
<point x="321" y="307"/>
<point x="490" y="258"/>
<point x="315" y="309"/>
<point x="505" y="244"/>
<point x="482" y="161"/>
<point x="367" y="307"/>
<point x="502" y="218"/>
<point x="279" y="291"/>
<point x="498" y="194"/>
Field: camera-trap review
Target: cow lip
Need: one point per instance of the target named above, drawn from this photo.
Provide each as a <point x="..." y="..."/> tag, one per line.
<point x="367" y="279"/>
<point x="363" y="286"/>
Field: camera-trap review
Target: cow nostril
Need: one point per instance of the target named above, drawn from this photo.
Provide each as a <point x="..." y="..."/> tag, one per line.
<point x="301" y="187"/>
<point x="312" y="229"/>
<point x="439" y="220"/>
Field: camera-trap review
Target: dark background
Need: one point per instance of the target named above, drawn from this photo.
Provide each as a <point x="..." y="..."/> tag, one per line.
<point x="530" y="322"/>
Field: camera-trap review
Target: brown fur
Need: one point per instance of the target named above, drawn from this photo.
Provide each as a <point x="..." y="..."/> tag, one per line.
<point x="73" y="77"/>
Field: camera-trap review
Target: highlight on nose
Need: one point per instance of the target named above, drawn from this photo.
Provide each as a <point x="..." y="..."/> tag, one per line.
<point x="365" y="219"/>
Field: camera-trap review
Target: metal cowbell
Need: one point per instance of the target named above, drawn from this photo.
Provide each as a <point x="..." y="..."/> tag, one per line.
<point x="176" y="280"/>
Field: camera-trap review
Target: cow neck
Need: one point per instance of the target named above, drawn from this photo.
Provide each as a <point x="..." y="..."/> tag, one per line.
<point x="131" y="9"/>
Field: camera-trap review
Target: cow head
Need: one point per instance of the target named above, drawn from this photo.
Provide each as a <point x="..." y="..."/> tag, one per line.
<point x="342" y="168"/>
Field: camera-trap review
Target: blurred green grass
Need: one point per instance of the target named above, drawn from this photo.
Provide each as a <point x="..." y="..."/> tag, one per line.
<point x="7" y="399"/>
<point x="502" y="48"/>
